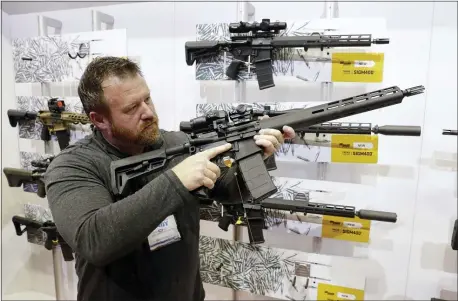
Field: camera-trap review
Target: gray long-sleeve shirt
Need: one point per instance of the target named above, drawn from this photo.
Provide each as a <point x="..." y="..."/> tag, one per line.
<point x="109" y="237"/>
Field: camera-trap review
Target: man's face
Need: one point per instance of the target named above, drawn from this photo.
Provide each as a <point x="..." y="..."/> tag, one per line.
<point x="133" y="117"/>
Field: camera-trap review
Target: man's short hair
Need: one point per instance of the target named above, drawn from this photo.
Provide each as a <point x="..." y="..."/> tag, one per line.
<point x="90" y="89"/>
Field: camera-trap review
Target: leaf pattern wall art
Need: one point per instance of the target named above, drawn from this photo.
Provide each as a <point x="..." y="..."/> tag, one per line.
<point x="261" y="270"/>
<point x="63" y="57"/>
<point x="60" y="60"/>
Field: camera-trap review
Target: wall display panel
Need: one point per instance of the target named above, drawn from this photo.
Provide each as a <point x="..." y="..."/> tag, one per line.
<point x="273" y="272"/>
<point x="312" y="66"/>
<point x="54" y="63"/>
<point x="63" y="57"/>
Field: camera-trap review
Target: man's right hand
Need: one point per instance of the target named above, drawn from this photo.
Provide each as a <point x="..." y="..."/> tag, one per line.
<point x="197" y="170"/>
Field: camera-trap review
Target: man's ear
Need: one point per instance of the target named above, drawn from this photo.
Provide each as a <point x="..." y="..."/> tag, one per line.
<point x="99" y="120"/>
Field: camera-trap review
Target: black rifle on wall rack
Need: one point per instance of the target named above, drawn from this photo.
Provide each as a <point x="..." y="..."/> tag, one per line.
<point x="263" y="43"/>
<point x="450" y="132"/>
<point x="18" y="177"/>
<point x="245" y="181"/>
<point x="50" y="235"/>
<point x="56" y="121"/>
<point x="301" y="204"/>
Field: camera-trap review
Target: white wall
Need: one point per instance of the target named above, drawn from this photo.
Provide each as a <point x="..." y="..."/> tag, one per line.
<point x="26" y="269"/>
<point x="409" y="260"/>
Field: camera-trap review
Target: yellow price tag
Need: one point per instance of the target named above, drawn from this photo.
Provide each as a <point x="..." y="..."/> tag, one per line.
<point x="358" y="67"/>
<point x="354" y="148"/>
<point x="334" y="292"/>
<point x="346" y="228"/>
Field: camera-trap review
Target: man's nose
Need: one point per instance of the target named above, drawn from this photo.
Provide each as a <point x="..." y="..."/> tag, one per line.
<point x="148" y="112"/>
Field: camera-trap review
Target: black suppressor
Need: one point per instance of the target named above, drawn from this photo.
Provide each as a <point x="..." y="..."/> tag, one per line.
<point x="397" y="130"/>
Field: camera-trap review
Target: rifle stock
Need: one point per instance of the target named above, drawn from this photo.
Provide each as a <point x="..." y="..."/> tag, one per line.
<point x="52" y="236"/>
<point x="15" y="116"/>
<point x="18" y="177"/>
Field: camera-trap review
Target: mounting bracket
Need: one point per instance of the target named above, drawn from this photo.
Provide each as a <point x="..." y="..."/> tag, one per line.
<point x="99" y="18"/>
<point x="45" y="22"/>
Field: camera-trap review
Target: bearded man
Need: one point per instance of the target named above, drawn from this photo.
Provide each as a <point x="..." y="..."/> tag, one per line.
<point x="119" y="253"/>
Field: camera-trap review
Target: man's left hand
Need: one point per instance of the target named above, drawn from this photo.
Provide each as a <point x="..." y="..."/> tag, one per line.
<point x="271" y="139"/>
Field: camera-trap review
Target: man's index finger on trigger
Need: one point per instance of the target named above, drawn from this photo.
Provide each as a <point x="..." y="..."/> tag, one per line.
<point x="218" y="150"/>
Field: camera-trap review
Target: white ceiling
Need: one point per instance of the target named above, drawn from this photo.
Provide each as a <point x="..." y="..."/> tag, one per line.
<point x="35" y="6"/>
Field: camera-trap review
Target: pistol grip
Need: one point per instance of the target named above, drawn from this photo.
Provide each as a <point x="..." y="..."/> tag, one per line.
<point x="63" y="137"/>
<point x="233" y="70"/>
<point x="45" y="135"/>
<point x="41" y="192"/>
<point x="17" y="227"/>
<point x="67" y="252"/>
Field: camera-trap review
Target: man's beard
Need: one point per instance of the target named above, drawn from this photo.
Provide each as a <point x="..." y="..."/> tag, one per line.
<point x="147" y="135"/>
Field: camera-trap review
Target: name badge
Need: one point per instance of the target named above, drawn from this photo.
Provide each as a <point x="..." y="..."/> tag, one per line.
<point x="165" y="234"/>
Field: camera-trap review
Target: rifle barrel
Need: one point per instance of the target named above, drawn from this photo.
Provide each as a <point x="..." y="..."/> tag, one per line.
<point x="361" y="129"/>
<point x="327" y="209"/>
<point x="341" y="108"/>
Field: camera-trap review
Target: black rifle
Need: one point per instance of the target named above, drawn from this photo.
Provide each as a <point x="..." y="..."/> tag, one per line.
<point x="245" y="112"/>
<point x="55" y="121"/>
<point x="245" y="180"/>
<point x="53" y="238"/>
<point x="263" y="43"/>
<point x="301" y="204"/>
<point x="450" y="132"/>
<point x="17" y="177"/>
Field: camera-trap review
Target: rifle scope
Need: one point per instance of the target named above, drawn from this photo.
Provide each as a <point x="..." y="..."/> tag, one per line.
<point x="265" y="26"/>
<point x="202" y="123"/>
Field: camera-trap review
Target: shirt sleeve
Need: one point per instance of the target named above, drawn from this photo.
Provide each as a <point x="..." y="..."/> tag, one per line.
<point x="94" y="226"/>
